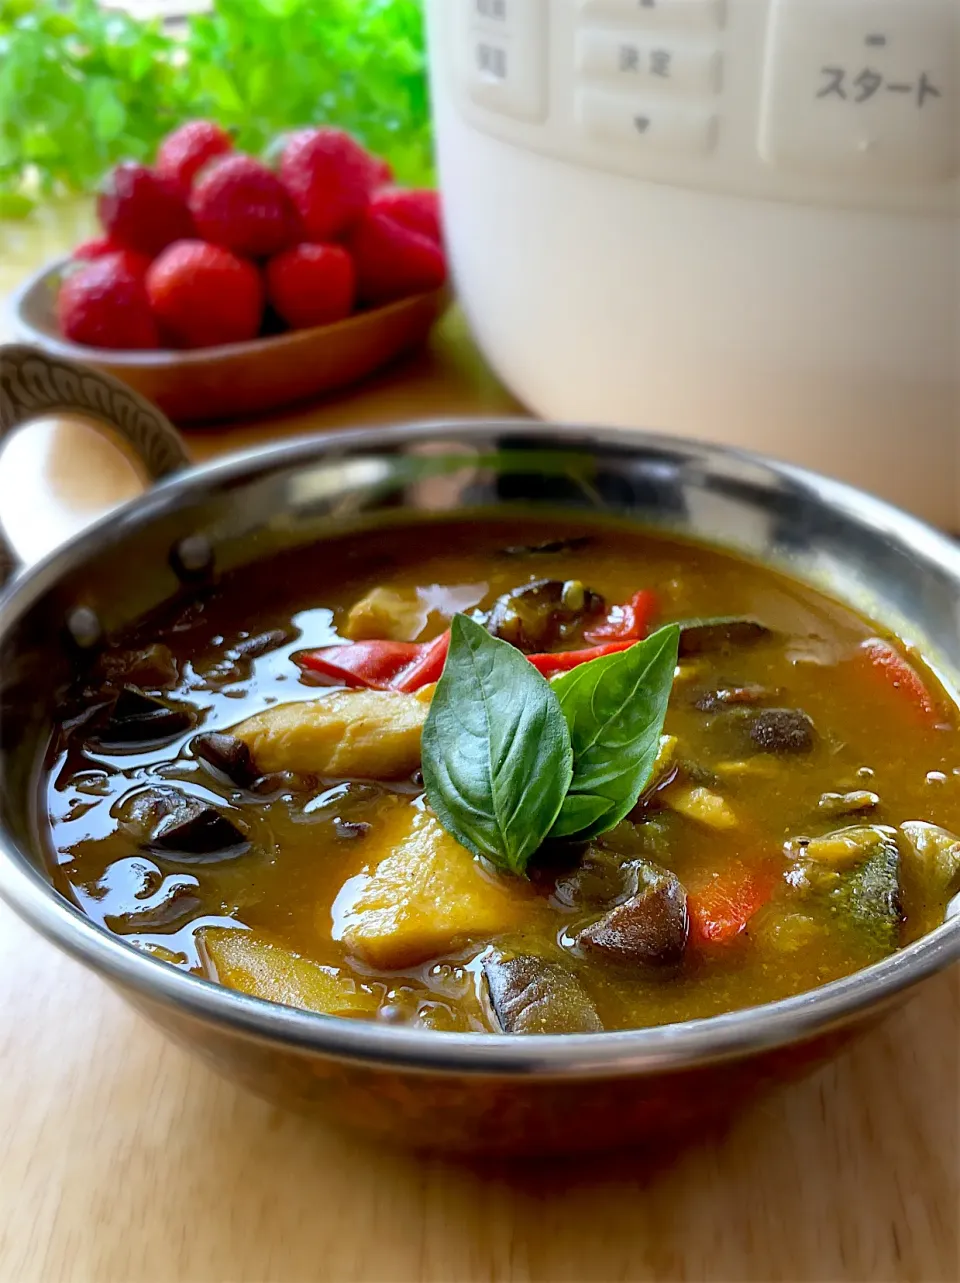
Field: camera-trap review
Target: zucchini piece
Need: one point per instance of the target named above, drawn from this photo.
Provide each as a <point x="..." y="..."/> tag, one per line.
<point x="935" y="853"/>
<point x="855" y="873"/>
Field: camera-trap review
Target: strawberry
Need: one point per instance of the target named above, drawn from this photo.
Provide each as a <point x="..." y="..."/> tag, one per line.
<point x="104" y="304"/>
<point x="417" y="209"/>
<point x="203" y="295"/>
<point x="392" y="261"/>
<point x="329" y="177"/>
<point x="140" y="210"/>
<point x="87" y="251"/>
<point x="311" y="285"/>
<point x="184" y="153"/>
<point x="379" y="171"/>
<point x="239" y="204"/>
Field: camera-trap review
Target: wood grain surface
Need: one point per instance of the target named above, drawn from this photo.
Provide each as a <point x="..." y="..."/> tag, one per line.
<point x="123" y="1160"/>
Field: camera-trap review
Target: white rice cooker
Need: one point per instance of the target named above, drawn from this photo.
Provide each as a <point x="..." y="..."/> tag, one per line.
<point x="730" y="219"/>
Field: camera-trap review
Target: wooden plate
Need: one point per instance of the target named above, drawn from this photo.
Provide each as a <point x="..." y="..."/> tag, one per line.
<point x="239" y="378"/>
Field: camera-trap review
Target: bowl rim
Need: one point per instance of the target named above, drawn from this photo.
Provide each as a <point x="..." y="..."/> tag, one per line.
<point x="655" y="1049"/>
<point x="170" y="358"/>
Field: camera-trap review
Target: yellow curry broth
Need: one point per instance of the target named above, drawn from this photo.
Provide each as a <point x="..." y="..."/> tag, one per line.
<point x="309" y="850"/>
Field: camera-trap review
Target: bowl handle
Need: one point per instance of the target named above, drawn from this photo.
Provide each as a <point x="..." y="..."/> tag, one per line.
<point x="34" y="384"/>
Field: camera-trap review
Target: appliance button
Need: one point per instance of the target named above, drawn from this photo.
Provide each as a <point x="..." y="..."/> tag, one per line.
<point x="496" y="12"/>
<point x="504" y="53"/>
<point x="646" y="125"/>
<point x="661" y="15"/>
<point x="867" y="89"/>
<point x="647" y="65"/>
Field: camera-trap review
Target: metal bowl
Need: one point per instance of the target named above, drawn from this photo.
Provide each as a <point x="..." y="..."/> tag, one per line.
<point x="458" y="1091"/>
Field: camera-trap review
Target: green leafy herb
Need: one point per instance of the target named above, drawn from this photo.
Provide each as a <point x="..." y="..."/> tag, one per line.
<point x="496" y="751"/>
<point x="615" y="708"/>
<point x="509" y="759"/>
<point x="82" y="87"/>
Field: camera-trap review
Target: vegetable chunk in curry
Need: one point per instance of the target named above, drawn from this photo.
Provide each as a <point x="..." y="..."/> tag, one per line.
<point x="509" y="778"/>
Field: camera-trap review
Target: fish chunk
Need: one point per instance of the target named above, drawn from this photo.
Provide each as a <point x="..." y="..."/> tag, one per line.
<point x="350" y="733"/>
<point x="263" y="969"/>
<point x="426" y="895"/>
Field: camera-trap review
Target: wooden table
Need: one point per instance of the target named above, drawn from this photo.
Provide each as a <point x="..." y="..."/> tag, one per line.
<point x="123" y="1160"/>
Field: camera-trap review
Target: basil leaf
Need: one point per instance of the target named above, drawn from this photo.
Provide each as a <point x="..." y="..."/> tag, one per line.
<point x="615" y="707"/>
<point x="496" y="754"/>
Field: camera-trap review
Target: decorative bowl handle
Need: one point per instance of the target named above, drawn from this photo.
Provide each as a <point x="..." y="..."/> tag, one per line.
<point x="34" y="384"/>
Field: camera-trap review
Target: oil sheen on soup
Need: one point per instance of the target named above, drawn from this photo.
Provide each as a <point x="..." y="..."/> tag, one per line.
<point x="236" y="787"/>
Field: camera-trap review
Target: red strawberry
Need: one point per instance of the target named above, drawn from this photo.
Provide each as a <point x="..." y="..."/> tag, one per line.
<point x="381" y="175"/>
<point x="104" y="304"/>
<point x="311" y="285"/>
<point x="415" y="208"/>
<point x="184" y="153"/>
<point x="392" y="261"/>
<point x="240" y="204"/>
<point x="329" y="177"/>
<point x="203" y="295"/>
<point x="142" y="211"/>
<point x="87" y="251"/>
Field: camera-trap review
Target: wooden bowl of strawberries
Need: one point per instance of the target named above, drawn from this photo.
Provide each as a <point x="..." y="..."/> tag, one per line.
<point x="222" y="287"/>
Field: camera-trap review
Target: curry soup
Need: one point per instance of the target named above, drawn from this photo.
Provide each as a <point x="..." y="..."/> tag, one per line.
<point x="233" y="795"/>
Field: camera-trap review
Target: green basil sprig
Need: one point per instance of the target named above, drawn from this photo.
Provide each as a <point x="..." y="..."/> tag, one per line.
<point x="614" y="707"/>
<point x="510" y="759"/>
<point x="496" y="753"/>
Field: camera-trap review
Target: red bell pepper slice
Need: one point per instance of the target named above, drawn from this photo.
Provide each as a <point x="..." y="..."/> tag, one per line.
<point x="373" y="664"/>
<point x="562" y="661"/>
<point x="427" y="667"/>
<point x="719" y="910"/>
<point x="630" y="622"/>
<point x="409" y="666"/>
<point x="890" y="666"/>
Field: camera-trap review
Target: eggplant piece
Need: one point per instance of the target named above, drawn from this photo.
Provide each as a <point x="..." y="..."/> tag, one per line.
<point x="228" y="755"/>
<point x="351" y="829"/>
<point x="706" y="636"/>
<point x="200" y="833"/>
<point x="259" y="644"/>
<point x="549" y="547"/>
<point x="139" y="720"/>
<point x="600" y="879"/>
<point x="531" y="995"/>
<point x="538" y="615"/>
<point x="170" y="907"/>
<point x="185" y="829"/>
<point x="935" y="853"/>
<point x="724" y="697"/>
<point x="649" y="929"/>
<point x="781" y="730"/>
<point x="151" y="666"/>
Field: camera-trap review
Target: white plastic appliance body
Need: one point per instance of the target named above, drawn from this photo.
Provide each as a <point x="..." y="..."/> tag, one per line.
<point x="736" y="220"/>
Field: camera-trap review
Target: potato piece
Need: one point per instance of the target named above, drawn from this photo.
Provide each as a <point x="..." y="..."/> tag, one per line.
<point x="244" y="961"/>
<point x="351" y="733"/>
<point x="700" y="804"/>
<point x="427" y="894"/>
<point x="387" y="614"/>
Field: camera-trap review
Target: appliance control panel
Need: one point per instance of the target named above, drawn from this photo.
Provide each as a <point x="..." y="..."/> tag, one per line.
<point x="850" y="103"/>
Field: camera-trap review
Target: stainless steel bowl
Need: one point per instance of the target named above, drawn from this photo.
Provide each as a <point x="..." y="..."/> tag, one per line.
<point x="466" y="1091"/>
